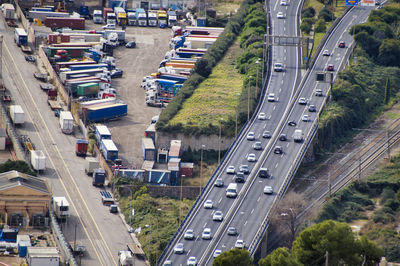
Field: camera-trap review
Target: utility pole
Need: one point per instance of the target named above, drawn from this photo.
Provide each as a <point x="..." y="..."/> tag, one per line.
<point x="326" y="258"/>
<point x="388" y="144"/>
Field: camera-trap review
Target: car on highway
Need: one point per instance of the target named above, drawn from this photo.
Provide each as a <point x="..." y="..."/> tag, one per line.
<point x="266" y="134"/>
<point x="230" y="170"/>
<point x="280" y="15"/>
<point x="312" y="108"/>
<point x="330" y="67"/>
<point x="257" y="145"/>
<point x="283" y="137"/>
<point x="284" y="3"/>
<point x="232" y="231"/>
<point x="167" y="263"/>
<point x="271" y="97"/>
<point x="192" y="261"/>
<point x="305" y="118"/>
<point x="206" y="233"/>
<point x="208" y="204"/>
<point x="262" y="116"/>
<point x="131" y="44"/>
<point x="189" y="234"/>
<point x="219" y="182"/>
<point x="239" y="177"/>
<point x="179" y="249"/>
<point x="326" y="53"/>
<point x="302" y="101"/>
<point x="268" y="190"/>
<point x="239" y="244"/>
<point x="251" y="157"/>
<point x="292" y="123"/>
<point x="251" y="136"/>
<point x="244" y="168"/>
<point x="342" y="44"/>
<point x="318" y="92"/>
<point x="218" y="216"/>
<point x="263" y="173"/>
<point x="278" y="150"/>
<point x="30" y="58"/>
<point x="217" y="252"/>
<point x="278" y="67"/>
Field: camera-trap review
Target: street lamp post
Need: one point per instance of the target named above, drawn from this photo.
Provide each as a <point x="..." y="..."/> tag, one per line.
<point x="237" y="114"/>
<point x="180" y="202"/>
<point x="201" y="166"/>
<point x="219" y="140"/>
<point x="248" y="99"/>
<point x="258" y="64"/>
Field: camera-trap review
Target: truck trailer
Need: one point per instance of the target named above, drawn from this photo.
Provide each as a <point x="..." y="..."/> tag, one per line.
<point x="17" y="114"/>
<point x="38" y="160"/>
<point x="20" y="36"/>
<point x="66" y="122"/>
<point x="73" y="23"/>
<point x="61" y="207"/>
<point x="106" y="112"/>
<point x="109" y="150"/>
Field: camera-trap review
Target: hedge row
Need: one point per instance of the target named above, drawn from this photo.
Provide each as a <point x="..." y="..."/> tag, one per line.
<point x="203" y="69"/>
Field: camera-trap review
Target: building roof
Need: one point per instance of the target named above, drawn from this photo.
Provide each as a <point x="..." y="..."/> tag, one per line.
<point x="43" y="252"/>
<point x="12" y="179"/>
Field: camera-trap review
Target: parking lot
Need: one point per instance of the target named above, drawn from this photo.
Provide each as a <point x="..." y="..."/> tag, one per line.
<point x="152" y="44"/>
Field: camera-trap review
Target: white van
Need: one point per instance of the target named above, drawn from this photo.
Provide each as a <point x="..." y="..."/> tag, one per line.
<point x="231" y="190"/>
<point x="298" y="135"/>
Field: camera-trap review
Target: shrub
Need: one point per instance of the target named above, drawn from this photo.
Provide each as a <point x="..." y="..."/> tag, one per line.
<point x="326" y="15"/>
<point x="306" y="25"/>
<point x="387" y="193"/>
<point x="320" y="26"/>
<point x="308" y="12"/>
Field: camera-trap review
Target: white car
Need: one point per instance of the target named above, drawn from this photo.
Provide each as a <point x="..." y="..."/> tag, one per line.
<point x="109" y="27"/>
<point x="218" y="216"/>
<point x="206" y="233"/>
<point x="326" y="53"/>
<point x="284" y="3"/>
<point x="189" y="234"/>
<point x="217" y="252"/>
<point x="251" y="136"/>
<point x="208" y="204"/>
<point x="262" y="116"/>
<point x="268" y="190"/>
<point x="271" y="97"/>
<point x="192" y="261"/>
<point x="179" y="249"/>
<point x="230" y="170"/>
<point x="239" y="243"/>
<point x="278" y="67"/>
<point x="251" y="157"/>
<point x="305" y="118"/>
<point x="280" y="15"/>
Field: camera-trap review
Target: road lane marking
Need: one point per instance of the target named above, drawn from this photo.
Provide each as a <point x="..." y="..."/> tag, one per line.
<point x="276" y="166"/>
<point x="274" y="107"/>
<point x="258" y="199"/>
<point x="252" y="211"/>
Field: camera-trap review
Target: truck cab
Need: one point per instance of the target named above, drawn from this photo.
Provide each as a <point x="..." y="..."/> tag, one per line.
<point x="97" y="17"/>
<point x="111" y="19"/>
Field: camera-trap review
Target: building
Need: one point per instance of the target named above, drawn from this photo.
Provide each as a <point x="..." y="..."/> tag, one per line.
<point x="40" y="256"/>
<point x="24" y="199"/>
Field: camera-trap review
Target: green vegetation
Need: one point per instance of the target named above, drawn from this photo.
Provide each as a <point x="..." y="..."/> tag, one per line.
<point x="189" y="112"/>
<point x="20" y="166"/>
<point x="233" y="257"/>
<point x="377" y="198"/>
<point x="157" y="218"/>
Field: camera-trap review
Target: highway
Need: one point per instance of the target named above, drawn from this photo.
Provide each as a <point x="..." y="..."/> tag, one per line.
<point x="282" y="84"/>
<point x="248" y="212"/>
<point x="101" y="232"/>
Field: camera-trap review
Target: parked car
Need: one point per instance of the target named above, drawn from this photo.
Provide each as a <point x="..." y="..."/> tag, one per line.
<point x="131" y="44"/>
<point x="117" y="73"/>
<point x="30" y="58"/>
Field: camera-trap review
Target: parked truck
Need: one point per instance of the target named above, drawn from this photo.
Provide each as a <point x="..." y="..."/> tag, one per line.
<point x="88" y="89"/>
<point x="103" y="113"/>
<point x="125" y="258"/>
<point x="132" y="21"/>
<point x="20" y="36"/>
<point x="102" y="132"/>
<point x="111" y="19"/>
<point x="52" y="100"/>
<point x="60" y="207"/>
<point x="38" y="160"/>
<point x="81" y="147"/>
<point x="152" y="18"/>
<point x="17" y="114"/>
<point x="42" y="15"/>
<point x="66" y="122"/>
<point x="141" y="17"/>
<point x="109" y="150"/>
<point x="120" y="33"/>
<point x="57" y="23"/>
<point x="8" y="11"/>
<point x="98" y="72"/>
<point x="99" y="176"/>
<point x="97" y="17"/>
<point x="91" y="163"/>
<point x="172" y="21"/>
<point x="121" y="15"/>
<point x="162" y="18"/>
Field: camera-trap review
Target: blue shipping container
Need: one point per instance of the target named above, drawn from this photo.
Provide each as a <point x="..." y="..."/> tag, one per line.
<point x="158" y="177"/>
<point x="102" y="132"/>
<point x="102" y="113"/>
<point x="91" y="66"/>
<point x="23" y="247"/>
<point x="109" y="150"/>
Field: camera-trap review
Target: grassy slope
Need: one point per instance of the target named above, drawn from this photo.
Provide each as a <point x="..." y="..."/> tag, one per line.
<point x="216" y="97"/>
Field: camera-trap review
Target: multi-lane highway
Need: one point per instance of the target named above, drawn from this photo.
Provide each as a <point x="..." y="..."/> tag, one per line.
<point x="247" y="213"/>
<point x="283" y="85"/>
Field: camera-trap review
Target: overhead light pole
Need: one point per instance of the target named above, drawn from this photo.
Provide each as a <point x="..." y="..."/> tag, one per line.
<point x="219" y="140"/>
<point x="237" y="114"/>
<point x="248" y="99"/>
<point x="201" y="166"/>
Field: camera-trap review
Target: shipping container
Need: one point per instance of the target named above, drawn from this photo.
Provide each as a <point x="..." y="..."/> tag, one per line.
<point x="158" y="177"/>
<point x="91" y="72"/>
<point x="38" y="160"/>
<point x="102" y="132"/>
<point x="60" y="65"/>
<point x="42" y="15"/>
<point x="17" y="114"/>
<point x="149" y="151"/>
<point x="109" y="149"/>
<point x="107" y="112"/>
<point x="91" y="163"/>
<point x="72" y="23"/>
<point x="66" y="122"/>
<point x="88" y="66"/>
<point x="150" y="132"/>
<point x="88" y="89"/>
<point x="187" y="169"/>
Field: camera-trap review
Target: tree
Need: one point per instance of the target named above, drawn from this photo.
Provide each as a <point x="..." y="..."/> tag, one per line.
<point x="368" y="42"/>
<point x="370" y="251"/>
<point x="234" y="257"/>
<point x="279" y="257"/>
<point x="389" y="52"/>
<point x="20" y="166"/>
<point x="320" y="26"/>
<point x="334" y="238"/>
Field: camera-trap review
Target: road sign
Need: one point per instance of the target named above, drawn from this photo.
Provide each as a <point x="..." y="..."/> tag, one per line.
<point x="368" y="2"/>
<point x="351" y="2"/>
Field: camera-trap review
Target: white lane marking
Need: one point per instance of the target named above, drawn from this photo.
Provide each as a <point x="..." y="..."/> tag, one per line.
<point x="258" y="199"/>
<point x="269" y="116"/>
<point x="280" y="89"/>
<point x="252" y="211"/>
<point x="220" y="200"/>
<point x="245" y="223"/>
<point x="287" y="145"/>
<point x="265" y="125"/>
<point x="274" y="107"/>
<point x="205" y="225"/>
<point x="276" y="166"/>
<point x="282" y="81"/>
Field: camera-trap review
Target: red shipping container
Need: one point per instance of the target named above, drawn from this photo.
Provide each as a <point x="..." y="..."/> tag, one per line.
<point x="107" y="10"/>
<point x="73" y="23"/>
<point x="187" y="169"/>
<point x="58" y="38"/>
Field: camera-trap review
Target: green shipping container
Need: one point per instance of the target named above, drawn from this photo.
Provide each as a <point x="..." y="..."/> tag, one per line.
<point x="88" y="89"/>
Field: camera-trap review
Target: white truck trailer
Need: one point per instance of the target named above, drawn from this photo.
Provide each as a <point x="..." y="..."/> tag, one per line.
<point x="66" y="122"/>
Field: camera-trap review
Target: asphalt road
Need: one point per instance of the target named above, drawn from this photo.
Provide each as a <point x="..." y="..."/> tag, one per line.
<point x="249" y="210"/>
<point x="283" y="85"/>
<point x="103" y="233"/>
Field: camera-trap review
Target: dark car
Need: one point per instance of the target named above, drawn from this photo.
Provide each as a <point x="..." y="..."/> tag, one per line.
<point x="239" y="177"/>
<point x="282" y="137"/>
<point x="30" y="58"/>
<point x="131" y="44"/>
<point x="330" y="67"/>
<point x="278" y="150"/>
<point x="266" y="134"/>
<point x="312" y="108"/>
<point x="342" y="44"/>
<point x="117" y="73"/>
<point x="292" y="123"/>
<point x="57" y="113"/>
<point x="113" y="208"/>
<point x="232" y="231"/>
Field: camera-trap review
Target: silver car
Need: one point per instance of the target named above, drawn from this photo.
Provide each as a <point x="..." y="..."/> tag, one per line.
<point x="218" y="216"/>
<point x="206" y="233"/>
<point x="179" y="249"/>
<point x="189" y="234"/>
